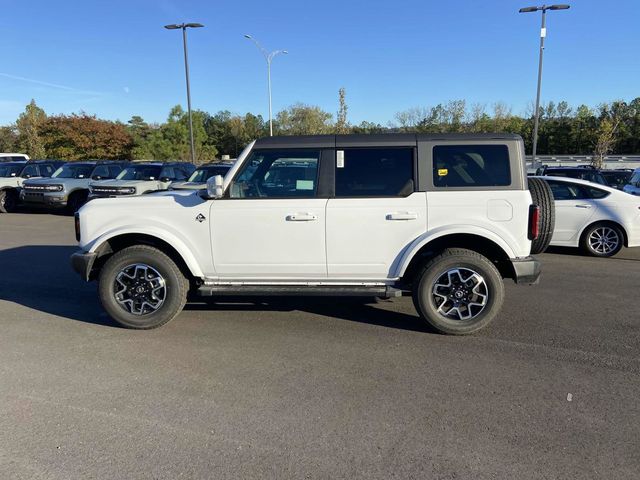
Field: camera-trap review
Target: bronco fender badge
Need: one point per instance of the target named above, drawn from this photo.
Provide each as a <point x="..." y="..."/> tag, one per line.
<point x="200" y="218"/>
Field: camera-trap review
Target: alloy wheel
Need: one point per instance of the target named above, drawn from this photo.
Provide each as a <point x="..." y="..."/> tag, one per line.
<point x="604" y="240"/>
<point x="139" y="289"/>
<point x="460" y="294"/>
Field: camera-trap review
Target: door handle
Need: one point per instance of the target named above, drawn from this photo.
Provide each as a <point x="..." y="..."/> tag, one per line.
<point x="301" y="217"/>
<point x="402" y="216"/>
<point x="582" y="205"/>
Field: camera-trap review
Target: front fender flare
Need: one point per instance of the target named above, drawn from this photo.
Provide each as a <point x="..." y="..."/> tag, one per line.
<point x="179" y="243"/>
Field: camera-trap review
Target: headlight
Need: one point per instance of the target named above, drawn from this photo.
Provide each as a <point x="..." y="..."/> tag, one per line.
<point x="127" y="190"/>
<point x="54" y="188"/>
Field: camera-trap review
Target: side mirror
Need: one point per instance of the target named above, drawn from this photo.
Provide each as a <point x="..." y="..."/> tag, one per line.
<point x="96" y="177"/>
<point x="215" y="187"/>
<point x="165" y="179"/>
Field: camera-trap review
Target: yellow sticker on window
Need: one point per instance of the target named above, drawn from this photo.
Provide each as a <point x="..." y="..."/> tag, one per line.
<point x="443" y="172"/>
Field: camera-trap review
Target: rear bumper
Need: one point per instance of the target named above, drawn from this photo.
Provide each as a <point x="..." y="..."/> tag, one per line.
<point x="82" y="263"/>
<point x="527" y="270"/>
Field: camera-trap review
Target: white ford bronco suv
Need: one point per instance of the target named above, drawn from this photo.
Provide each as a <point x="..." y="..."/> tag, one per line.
<point x="444" y="218"/>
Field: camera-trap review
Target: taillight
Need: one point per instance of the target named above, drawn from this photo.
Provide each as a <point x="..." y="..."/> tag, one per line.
<point x="77" y="224"/>
<point x="534" y="222"/>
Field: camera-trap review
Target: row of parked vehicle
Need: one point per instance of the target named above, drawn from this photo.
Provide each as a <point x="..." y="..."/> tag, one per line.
<point x="55" y="184"/>
<point x="625" y="179"/>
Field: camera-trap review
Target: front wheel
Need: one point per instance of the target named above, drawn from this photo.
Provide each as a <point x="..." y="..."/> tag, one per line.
<point x="602" y="240"/>
<point x="8" y="201"/>
<point x="458" y="292"/>
<point x="140" y="287"/>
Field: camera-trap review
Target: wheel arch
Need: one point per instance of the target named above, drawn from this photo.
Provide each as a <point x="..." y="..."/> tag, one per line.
<point x="423" y="250"/>
<point x="173" y="248"/>
<point x="625" y="235"/>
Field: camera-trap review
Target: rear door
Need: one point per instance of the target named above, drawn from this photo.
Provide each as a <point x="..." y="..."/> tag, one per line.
<point x="574" y="209"/>
<point x="376" y="212"/>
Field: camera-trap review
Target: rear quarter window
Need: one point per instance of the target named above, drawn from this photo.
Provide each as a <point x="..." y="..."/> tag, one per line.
<point x="471" y="166"/>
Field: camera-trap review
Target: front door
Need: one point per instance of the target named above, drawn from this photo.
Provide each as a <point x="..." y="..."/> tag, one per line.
<point x="271" y="223"/>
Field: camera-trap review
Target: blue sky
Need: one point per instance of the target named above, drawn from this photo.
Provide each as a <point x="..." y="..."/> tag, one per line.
<point x="114" y="59"/>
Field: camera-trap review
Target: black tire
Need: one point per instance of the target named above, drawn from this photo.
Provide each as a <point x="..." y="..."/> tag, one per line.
<point x="427" y="302"/>
<point x="8" y="201"/>
<point x="76" y="201"/>
<point x="614" y="243"/>
<point x="542" y="196"/>
<point x="176" y="287"/>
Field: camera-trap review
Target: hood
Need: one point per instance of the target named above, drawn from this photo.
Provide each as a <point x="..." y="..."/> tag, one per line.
<point x="11" y="181"/>
<point x="165" y="210"/>
<point x="141" y="185"/>
<point x="188" y="185"/>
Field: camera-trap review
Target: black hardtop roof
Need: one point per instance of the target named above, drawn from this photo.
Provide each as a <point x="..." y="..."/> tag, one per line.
<point x="374" y="140"/>
<point x="159" y="163"/>
<point x="215" y="164"/>
<point x="16" y="163"/>
<point x="45" y="160"/>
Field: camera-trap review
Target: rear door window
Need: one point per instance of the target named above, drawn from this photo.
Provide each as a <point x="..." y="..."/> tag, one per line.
<point x="471" y="166"/>
<point x="375" y="172"/>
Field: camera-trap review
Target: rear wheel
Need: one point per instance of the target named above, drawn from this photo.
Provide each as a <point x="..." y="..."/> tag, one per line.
<point x="542" y="196"/>
<point x="140" y="287"/>
<point x="602" y="240"/>
<point x="8" y="201"/>
<point x="458" y="292"/>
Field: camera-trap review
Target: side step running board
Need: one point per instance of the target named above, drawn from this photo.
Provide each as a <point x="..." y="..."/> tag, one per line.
<point x="302" y="290"/>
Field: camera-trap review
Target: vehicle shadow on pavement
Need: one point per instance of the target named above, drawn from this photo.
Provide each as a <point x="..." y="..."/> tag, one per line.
<point x="354" y="309"/>
<point x="40" y="277"/>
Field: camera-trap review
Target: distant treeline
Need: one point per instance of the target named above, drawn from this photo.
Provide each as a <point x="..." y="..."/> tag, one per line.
<point x="608" y="128"/>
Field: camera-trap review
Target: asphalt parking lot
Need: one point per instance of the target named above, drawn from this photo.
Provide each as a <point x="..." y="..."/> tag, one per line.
<point x="322" y="388"/>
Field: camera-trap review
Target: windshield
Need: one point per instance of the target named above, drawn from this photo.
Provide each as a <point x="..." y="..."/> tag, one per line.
<point x="10" y="169"/>
<point x="617" y="179"/>
<point x="73" y="171"/>
<point x="140" y="172"/>
<point x="201" y="175"/>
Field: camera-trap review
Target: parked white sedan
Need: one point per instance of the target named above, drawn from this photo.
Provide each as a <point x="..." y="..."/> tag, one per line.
<point x="598" y="219"/>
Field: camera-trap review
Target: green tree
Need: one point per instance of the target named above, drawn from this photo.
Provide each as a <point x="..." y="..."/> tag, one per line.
<point x="342" y="124"/>
<point x="30" y="124"/>
<point x="171" y="140"/>
<point x="85" y="137"/>
<point x="300" y="119"/>
<point x="8" y="139"/>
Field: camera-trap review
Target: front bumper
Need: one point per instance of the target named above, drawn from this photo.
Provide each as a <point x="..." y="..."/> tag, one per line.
<point x="47" y="199"/>
<point x="82" y="263"/>
<point x="526" y="270"/>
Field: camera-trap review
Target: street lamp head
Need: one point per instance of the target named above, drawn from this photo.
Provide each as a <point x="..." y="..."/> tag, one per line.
<point x="529" y="9"/>
<point x="559" y="7"/>
<point x="193" y="25"/>
<point x="172" y="27"/>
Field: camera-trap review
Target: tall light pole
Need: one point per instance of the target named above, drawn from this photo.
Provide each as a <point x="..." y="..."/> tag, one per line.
<point x="184" y="27"/>
<point x="268" y="56"/>
<point x="543" y="34"/>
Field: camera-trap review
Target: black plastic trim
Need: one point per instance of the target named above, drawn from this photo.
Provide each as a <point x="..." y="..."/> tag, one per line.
<point x="82" y="263"/>
<point x="527" y="270"/>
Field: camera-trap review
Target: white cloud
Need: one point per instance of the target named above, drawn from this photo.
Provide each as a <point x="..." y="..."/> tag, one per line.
<point x="49" y="84"/>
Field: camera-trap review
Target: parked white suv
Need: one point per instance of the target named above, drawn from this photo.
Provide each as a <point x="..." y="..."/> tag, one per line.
<point x="442" y="217"/>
